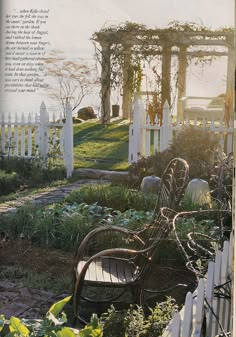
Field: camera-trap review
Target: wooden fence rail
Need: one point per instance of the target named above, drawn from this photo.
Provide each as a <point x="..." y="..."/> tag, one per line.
<point x="207" y="312"/>
<point x="38" y="137"/>
<point x="146" y="138"/>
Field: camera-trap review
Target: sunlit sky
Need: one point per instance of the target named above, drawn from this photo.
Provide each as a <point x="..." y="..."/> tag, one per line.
<point x="72" y="22"/>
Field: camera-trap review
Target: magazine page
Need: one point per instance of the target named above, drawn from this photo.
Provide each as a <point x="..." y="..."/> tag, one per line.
<point x="117" y="118"/>
<point x="24" y="41"/>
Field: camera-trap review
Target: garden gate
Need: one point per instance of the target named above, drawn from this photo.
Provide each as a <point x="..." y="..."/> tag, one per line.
<point x="38" y="138"/>
<point x="146" y="138"/>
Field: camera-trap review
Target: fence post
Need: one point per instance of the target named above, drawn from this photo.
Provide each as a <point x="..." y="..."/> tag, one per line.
<point x="68" y="142"/>
<point x="2" y="135"/>
<point x="43" y="131"/>
<point x="136" y="131"/>
<point x="166" y="128"/>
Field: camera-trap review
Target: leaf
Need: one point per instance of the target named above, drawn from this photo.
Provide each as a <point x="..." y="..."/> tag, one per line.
<point x="2" y="322"/>
<point x="94" y="321"/>
<point x="18" y="327"/>
<point x="90" y="332"/>
<point x="66" y="332"/>
<point x="56" y="308"/>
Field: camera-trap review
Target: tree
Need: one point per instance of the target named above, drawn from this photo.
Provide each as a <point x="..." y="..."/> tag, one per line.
<point x="69" y="81"/>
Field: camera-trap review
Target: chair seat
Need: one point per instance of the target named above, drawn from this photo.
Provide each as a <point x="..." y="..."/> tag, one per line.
<point x="109" y="271"/>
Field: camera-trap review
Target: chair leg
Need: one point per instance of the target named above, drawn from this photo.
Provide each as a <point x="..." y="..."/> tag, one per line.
<point x="138" y="295"/>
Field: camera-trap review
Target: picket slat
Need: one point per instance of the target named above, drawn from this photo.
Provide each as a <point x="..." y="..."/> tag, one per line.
<point x="198" y="309"/>
<point x="215" y="303"/>
<point x="223" y="279"/>
<point x="204" y="303"/>
<point x="188" y="314"/>
<point x="209" y="296"/>
<point x="173" y="329"/>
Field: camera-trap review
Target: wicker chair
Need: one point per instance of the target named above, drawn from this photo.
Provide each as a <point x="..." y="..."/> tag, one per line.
<point x="126" y="266"/>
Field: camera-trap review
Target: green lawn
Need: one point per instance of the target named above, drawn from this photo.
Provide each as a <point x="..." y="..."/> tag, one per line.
<point x="101" y="146"/>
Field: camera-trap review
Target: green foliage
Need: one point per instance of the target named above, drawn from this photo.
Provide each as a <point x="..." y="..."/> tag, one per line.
<point x="160" y="316"/>
<point x="127" y="323"/>
<point x="93" y="329"/>
<point x="133" y="323"/>
<point x="28" y="173"/>
<point x="51" y="325"/>
<point x="63" y="226"/>
<point x="115" y="197"/>
<point x="9" y="182"/>
<point x="56" y="308"/>
<point x="194" y="145"/>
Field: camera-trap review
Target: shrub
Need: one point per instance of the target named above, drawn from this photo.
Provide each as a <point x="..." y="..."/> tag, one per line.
<point x="32" y="172"/>
<point x="115" y="197"/>
<point x="194" y="145"/>
<point x="9" y="182"/>
<point x="133" y="323"/>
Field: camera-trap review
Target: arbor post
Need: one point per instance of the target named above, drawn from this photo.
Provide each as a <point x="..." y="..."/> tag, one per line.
<point x="105" y="84"/>
<point x="126" y="103"/>
<point x="181" y="80"/>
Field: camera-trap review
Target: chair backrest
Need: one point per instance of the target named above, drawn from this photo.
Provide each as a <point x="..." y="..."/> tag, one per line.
<point x="173" y="183"/>
<point x="156" y="232"/>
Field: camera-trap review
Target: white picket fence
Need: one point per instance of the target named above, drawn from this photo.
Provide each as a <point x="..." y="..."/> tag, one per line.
<point x="146" y="139"/>
<point x="208" y="311"/>
<point x="38" y="137"/>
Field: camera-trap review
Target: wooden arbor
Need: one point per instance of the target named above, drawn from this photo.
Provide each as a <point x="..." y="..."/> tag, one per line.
<point x="167" y="43"/>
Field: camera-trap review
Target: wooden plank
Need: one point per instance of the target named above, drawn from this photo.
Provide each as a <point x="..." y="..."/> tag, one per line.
<point x="92" y="271"/>
<point x="29" y="154"/>
<point x="230" y="274"/>
<point x="215" y="302"/>
<point x="80" y="266"/>
<point x="173" y="328"/>
<point x="99" y="272"/>
<point x="16" y="141"/>
<point x="188" y="314"/>
<point x="128" y="272"/>
<point x="227" y="309"/>
<point x="209" y="296"/>
<point x="223" y="279"/>
<point x="198" y="309"/>
<point x="106" y="270"/>
<point x="120" y="270"/>
<point x="230" y="260"/>
<point x="113" y="271"/>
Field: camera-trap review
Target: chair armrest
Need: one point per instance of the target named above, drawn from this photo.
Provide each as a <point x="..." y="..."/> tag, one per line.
<point x="104" y="229"/>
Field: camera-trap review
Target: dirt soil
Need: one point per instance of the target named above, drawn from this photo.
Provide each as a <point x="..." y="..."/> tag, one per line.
<point x="54" y="264"/>
<point x="22" y="253"/>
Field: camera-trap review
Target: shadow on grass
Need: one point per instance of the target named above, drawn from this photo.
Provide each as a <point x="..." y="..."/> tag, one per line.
<point x="101" y="146"/>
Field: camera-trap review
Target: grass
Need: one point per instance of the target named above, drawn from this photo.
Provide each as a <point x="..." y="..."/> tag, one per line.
<point x="101" y="146"/>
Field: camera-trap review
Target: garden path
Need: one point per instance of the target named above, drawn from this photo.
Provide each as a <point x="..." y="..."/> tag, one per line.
<point x="21" y="301"/>
<point x="56" y="194"/>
